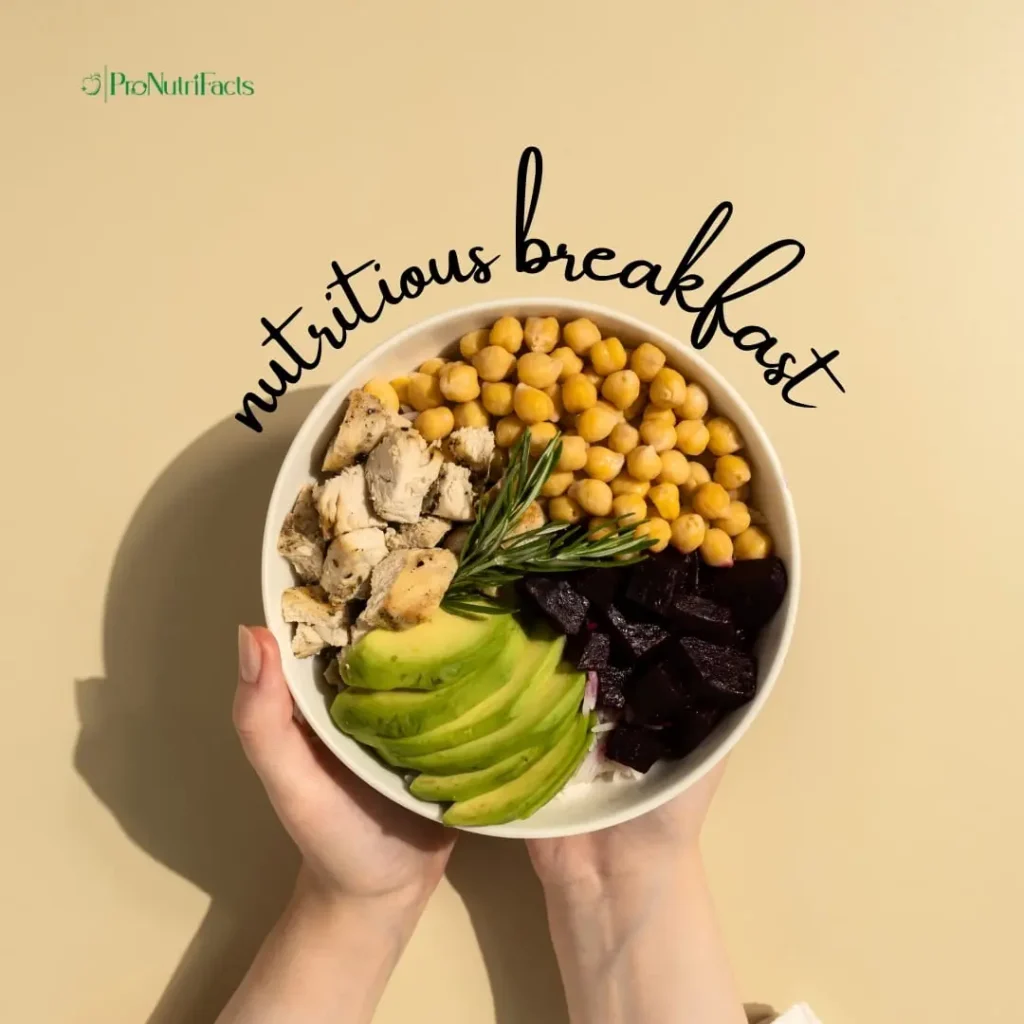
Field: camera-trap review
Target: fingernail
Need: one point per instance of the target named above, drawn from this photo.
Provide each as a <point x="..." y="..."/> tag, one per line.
<point x="250" y="657"/>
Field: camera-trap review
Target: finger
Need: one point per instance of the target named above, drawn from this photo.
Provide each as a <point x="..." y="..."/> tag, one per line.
<point x="264" y="716"/>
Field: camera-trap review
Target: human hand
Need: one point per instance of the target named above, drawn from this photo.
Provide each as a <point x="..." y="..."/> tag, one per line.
<point x="354" y="842"/>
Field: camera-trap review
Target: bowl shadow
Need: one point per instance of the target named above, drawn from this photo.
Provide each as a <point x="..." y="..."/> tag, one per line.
<point x="157" y="747"/>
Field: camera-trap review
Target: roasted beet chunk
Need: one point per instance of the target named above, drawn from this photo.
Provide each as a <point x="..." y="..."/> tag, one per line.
<point x="700" y="616"/>
<point x="634" y="747"/>
<point x="558" y="601"/>
<point x="652" y="583"/>
<point x="588" y="649"/>
<point x="753" y="589"/>
<point x="635" y="638"/>
<point x="717" y="675"/>
<point x="686" y="734"/>
<point x="601" y="586"/>
<point x="611" y="687"/>
<point x="658" y="696"/>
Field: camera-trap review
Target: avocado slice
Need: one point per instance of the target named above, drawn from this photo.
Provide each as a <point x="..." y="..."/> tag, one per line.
<point x="393" y="714"/>
<point x="532" y="789"/>
<point x="538" y="661"/>
<point x="539" y="710"/>
<point x="444" y="648"/>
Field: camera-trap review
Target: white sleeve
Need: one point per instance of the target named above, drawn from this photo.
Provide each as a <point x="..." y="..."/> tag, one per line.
<point x="799" y="1014"/>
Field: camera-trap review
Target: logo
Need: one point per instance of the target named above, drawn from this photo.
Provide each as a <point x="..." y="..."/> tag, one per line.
<point x="117" y="84"/>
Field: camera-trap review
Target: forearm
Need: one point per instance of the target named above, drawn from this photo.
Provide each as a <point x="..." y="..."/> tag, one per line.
<point x="326" y="961"/>
<point x="644" y="951"/>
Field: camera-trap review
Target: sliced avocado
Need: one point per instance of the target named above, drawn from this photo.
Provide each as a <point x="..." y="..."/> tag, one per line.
<point x="393" y="714"/>
<point x="444" y="648"/>
<point x="559" y="782"/>
<point x="539" y="658"/>
<point x="517" y="799"/>
<point x="544" y="705"/>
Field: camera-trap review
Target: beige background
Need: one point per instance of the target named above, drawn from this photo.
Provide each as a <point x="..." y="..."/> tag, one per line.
<point x="866" y="849"/>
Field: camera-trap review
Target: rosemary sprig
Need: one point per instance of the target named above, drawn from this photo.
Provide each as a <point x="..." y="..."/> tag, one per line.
<point x="492" y="559"/>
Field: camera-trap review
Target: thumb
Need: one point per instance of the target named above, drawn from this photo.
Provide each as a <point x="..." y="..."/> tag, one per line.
<point x="264" y="716"/>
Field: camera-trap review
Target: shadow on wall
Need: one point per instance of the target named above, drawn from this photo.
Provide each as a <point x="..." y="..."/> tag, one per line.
<point x="157" y="746"/>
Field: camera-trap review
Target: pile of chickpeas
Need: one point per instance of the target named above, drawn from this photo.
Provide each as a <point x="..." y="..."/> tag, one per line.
<point x="638" y="445"/>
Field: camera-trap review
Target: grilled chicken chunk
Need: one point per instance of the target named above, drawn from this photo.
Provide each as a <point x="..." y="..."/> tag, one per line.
<point x="453" y="493"/>
<point x="407" y="587"/>
<point x="427" y="533"/>
<point x="300" y="540"/>
<point x="349" y="561"/>
<point x="343" y="503"/>
<point x="399" y="472"/>
<point x="470" y="446"/>
<point x="308" y="606"/>
<point x="363" y="425"/>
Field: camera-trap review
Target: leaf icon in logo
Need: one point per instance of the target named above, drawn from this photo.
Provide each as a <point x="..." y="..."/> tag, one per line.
<point x="92" y="84"/>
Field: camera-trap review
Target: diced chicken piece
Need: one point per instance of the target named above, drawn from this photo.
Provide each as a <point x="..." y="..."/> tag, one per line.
<point x="427" y="533"/>
<point x="363" y="425"/>
<point x="399" y="472"/>
<point x="307" y="641"/>
<point x="531" y="519"/>
<point x="453" y="493"/>
<point x="456" y="540"/>
<point x="407" y="587"/>
<point x="309" y="606"/>
<point x="470" y="446"/>
<point x="343" y="502"/>
<point x="300" y="540"/>
<point x="349" y="561"/>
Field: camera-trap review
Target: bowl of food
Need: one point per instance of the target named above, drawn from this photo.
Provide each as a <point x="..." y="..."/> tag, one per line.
<point x="533" y="568"/>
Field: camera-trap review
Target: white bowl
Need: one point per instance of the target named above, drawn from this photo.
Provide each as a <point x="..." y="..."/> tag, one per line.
<point x="585" y="807"/>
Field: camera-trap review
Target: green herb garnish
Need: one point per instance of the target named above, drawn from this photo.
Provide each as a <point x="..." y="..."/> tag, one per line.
<point x="491" y="558"/>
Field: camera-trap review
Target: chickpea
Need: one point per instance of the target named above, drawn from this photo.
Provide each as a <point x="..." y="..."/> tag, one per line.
<point x="531" y="405"/>
<point x="401" y="386"/>
<point x="695" y="404"/>
<point x="646" y="360"/>
<point x="508" y="430"/>
<point x="596" y="423"/>
<point x="383" y="392"/>
<point x="554" y="392"/>
<point x="568" y="360"/>
<point x="659" y="436"/>
<point x="497" y="398"/>
<point x="652" y="414"/>
<point x="711" y="501"/>
<point x="674" y="467"/>
<point x="688" y="532"/>
<point x="741" y="493"/>
<point x="607" y="356"/>
<point x="433" y="424"/>
<point x="753" y="543"/>
<point x="556" y="484"/>
<point x="594" y="377"/>
<point x="603" y="463"/>
<point x="459" y="382"/>
<point x="580" y="335"/>
<point x="665" y="498"/>
<point x="564" y="510"/>
<point x="470" y="344"/>
<point x="574" y="453"/>
<point x="629" y="509"/>
<point x="541" y="435"/>
<point x="658" y="530"/>
<point x="643" y="463"/>
<point x="432" y="366"/>
<point x="623" y="438"/>
<point x="578" y="393"/>
<point x="493" y="363"/>
<point x="625" y="484"/>
<point x="424" y="392"/>
<point x="541" y="333"/>
<point x="668" y="388"/>
<point x="691" y="437"/>
<point x="599" y="528"/>
<point x="723" y="437"/>
<point x="732" y="471"/>
<point x="507" y="333"/>
<point x="716" y="548"/>
<point x="470" y="414"/>
<point x="537" y="369"/>
<point x="631" y="412"/>
<point x="621" y="388"/>
<point x="594" y="496"/>
<point x="735" y="520"/>
<point x="699" y="476"/>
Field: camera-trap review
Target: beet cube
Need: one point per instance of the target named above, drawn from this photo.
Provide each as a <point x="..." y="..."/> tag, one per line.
<point x="686" y="734"/>
<point x="717" y="675"/>
<point x="635" y="638"/>
<point x="558" y="601"/>
<point x="589" y="649"/>
<point x="611" y="687"/>
<point x="652" y="583"/>
<point x="601" y="586"/>
<point x="658" y="697"/>
<point x="700" y="616"/>
<point x="634" y="747"/>
<point x="753" y="589"/>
